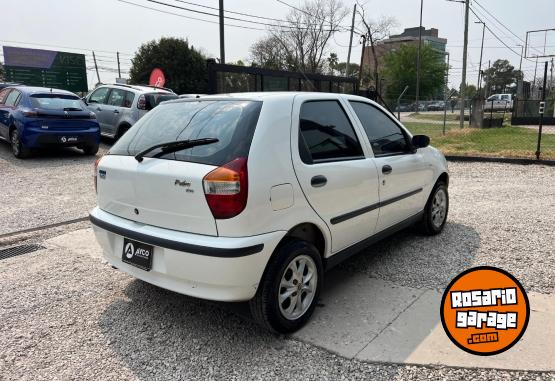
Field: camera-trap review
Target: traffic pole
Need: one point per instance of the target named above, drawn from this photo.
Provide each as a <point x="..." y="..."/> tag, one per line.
<point x="96" y="67"/>
<point x="418" y="64"/>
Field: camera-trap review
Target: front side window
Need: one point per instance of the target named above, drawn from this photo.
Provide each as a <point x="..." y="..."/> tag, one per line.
<point x="129" y="98"/>
<point x="385" y="136"/>
<point x="99" y="95"/>
<point x="326" y="134"/>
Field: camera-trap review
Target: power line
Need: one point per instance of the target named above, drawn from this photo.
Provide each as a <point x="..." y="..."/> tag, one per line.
<point x="188" y="17"/>
<point x="230" y="17"/>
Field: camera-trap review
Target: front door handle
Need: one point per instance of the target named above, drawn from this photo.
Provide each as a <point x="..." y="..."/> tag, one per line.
<point x="98" y="109"/>
<point x="318" y="181"/>
<point x="386" y="169"/>
<point x="116" y="112"/>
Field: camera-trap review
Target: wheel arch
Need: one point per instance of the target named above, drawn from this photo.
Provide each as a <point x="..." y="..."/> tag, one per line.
<point x="123" y="125"/>
<point x="444" y="177"/>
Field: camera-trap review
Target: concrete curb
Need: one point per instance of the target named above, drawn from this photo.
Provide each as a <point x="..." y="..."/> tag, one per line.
<point x="507" y="160"/>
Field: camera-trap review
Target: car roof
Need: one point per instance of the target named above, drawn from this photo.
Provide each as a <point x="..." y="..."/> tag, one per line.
<point x="140" y="88"/>
<point x="269" y="95"/>
<point x="41" y="90"/>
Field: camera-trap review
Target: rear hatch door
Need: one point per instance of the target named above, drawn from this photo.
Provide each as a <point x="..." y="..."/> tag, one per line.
<point x="166" y="189"/>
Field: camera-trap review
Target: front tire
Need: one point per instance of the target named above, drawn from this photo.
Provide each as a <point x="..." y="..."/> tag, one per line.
<point x="18" y="149"/>
<point x="289" y="290"/>
<point x="437" y="208"/>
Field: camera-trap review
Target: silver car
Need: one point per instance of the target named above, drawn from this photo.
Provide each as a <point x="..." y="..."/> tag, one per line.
<point x="118" y="107"/>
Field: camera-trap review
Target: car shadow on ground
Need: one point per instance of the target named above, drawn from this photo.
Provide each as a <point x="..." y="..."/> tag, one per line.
<point x="153" y="327"/>
<point x="51" y="157"/>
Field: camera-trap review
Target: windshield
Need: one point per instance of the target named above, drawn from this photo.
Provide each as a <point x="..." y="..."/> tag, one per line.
<point x="56" y="101"/>
<point x="231" y="122"/>
<point x="154" y="99"/>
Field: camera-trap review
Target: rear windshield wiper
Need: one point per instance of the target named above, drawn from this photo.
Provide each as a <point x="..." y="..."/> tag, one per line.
<point x="175" y="146"/>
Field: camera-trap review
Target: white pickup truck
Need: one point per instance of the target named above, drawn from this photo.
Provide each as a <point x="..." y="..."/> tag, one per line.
<point x="499" y="102"/>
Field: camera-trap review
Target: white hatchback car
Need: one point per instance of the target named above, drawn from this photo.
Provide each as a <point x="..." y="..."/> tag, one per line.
<point x="253" y="196"/>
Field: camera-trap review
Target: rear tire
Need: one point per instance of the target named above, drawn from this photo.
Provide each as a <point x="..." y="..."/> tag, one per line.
<point x="121" y="131"/>
<point x="18" y="149"/>
<point x="289" y="290"/>
<point x="435" y="213"/>
<point x="90" y="150"/>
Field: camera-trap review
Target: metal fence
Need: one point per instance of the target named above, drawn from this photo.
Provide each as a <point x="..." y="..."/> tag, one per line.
<point x="526" y="112"/>
<point x="224" y="78"/>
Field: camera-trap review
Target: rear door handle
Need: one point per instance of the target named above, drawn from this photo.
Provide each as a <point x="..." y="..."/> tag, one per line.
<point x="386" y="169"/>
<point x="318" y="181"/>
<point x="98" y="109"/>
<point x="116" y="112"/>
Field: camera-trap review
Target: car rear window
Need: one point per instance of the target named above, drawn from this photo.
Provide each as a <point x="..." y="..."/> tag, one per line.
<point x="154" y="99"/>
<point x="231" y="122"/>
<point x="56" y="101"/>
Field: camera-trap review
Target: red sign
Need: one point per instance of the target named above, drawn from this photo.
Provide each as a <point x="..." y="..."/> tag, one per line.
<point x="157" y="78"/>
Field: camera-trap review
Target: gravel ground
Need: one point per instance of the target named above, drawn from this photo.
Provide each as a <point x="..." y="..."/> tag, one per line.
<point x="71" y="317"/>
<point x="66" y="316"/>
<point x="500" y="215"/>
<point x="48" y="188"/>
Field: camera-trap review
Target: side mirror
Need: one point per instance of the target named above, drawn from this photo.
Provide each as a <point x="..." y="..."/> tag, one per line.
<point x="420" y="141"/>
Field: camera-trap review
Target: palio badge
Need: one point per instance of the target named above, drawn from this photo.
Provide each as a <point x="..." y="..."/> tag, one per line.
<point x="485" y="311"/>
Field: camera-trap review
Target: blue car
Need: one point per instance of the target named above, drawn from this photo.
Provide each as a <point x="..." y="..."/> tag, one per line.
<point x="37" y="117"/>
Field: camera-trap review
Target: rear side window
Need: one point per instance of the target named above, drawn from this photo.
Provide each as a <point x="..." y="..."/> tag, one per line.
<point x="56" y="102"/>
<point x="385" y="136"/>
<point x="3" y="95"/>
<point x="231" y="122"/>
<point x="326" y="134"/>
<point x="129" y="98"/>
<point x="116" y="98"/>
<point x="13" y="98"/>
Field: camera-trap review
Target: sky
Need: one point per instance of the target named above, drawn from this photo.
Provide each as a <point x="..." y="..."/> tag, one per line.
<point x="109" y="26"/>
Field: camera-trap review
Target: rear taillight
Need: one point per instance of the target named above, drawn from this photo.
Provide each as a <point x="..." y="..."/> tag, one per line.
<point x="30" y="113"/>
<point x="96" y="174"/>
<point x="226" y="189"/>
<point x="141" y="103"/>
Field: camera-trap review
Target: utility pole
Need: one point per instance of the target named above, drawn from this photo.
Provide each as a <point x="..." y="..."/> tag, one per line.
<point x="96" y="67"/>
<point x="481" y="54"/>
<point x="542" y="107"/>
<point x="361" y="59"/>
<point x="222" y="44"/>
<point x="534" y="82"/>
<point x="418" y="58"/>
<point x="551" y="76"/>
<point x="119" y="69"/>
<point x="446" y="89"/>
<point x="350" y="42"/>
<point x="465" y="50"/>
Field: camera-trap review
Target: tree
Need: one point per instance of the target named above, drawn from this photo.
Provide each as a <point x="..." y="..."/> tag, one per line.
<point x="1" y="72"/>
<point x="400" y="71"/>
<point x="470" y="91"/>
<point x="301" y="43"/>
<point x="500" y="76"/>
<point x="341" y="69"/>
<point x="332" y="62"/>
<point x="184" y="67"/>
<point x="270" y="54"/>
<point x="376" y="31"/>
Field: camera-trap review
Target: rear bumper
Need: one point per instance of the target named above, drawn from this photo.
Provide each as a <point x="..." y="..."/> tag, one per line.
<point x="34" y="137"/>
<point x="207" y="267"/>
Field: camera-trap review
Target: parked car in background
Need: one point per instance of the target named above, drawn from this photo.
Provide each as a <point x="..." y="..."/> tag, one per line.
<point x="436" y="106"/>
<point x="499" y="102"/>
<point x="118" y="106"/>
<point x="251" y="196"/>
<point x="36" y="117"/>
